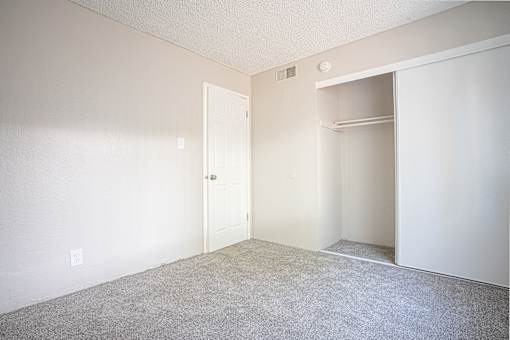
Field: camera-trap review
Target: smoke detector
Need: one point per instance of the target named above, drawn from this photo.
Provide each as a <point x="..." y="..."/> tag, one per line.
<point x="324" y="66"/>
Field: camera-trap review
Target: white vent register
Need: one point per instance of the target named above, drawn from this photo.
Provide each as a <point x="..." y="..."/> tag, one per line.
<point x="286" y="73"/>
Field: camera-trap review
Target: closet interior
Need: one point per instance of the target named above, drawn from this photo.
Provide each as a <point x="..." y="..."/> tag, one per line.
<point x="357" y="168"/>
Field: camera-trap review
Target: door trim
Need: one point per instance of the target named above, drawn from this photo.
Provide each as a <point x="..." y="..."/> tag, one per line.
<point x="396" y="130"/>
<point x="205" y="206"/>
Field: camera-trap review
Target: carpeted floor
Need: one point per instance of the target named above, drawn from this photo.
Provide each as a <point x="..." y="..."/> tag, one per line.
<point x="363" y="250"/>
<point x="261" y="290"/>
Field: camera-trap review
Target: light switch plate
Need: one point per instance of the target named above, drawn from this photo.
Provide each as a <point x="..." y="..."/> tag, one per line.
<point x="180" y="143"/>
<point x="76" y="257"/>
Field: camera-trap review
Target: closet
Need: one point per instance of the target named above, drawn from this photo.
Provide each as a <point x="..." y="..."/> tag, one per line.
<point x="416" y="156"/>
<point x="357" y="168"/>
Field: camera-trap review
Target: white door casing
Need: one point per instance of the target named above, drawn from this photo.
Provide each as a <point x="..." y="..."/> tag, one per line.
<point x="226" y="175"/>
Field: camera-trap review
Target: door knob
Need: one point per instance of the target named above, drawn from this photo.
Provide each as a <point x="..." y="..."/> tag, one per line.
<point x="212" y="177"/>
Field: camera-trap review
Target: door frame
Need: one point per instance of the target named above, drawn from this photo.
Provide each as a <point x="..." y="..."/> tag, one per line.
<point x="205" y="190"/>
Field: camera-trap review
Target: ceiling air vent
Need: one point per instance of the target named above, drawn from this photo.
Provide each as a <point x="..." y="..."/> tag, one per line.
<point x="286" y="73"/>
<point x="291" y="72"/>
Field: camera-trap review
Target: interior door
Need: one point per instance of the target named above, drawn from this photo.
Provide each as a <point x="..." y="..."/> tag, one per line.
<point x="226" y="168"/>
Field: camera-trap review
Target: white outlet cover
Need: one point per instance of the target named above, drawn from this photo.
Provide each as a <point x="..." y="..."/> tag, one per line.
<point x="180" y="143"/>
<point x="76" y="257"/>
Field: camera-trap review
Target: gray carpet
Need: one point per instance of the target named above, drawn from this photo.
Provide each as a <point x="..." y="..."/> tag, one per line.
<point x="363" y="250"/>
<point x="261" y="290"/>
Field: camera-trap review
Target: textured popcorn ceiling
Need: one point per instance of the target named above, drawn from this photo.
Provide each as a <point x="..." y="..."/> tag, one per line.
<point x="253" y="36"/>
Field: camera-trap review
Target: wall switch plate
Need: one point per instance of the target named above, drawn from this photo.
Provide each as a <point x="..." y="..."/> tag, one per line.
<point x="76" y="256"/>
<point x="180" y="143"/>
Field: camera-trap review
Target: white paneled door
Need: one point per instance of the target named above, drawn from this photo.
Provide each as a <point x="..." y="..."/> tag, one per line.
<point x="226" y="170"/>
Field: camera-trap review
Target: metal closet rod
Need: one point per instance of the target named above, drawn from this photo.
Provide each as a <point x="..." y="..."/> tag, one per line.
<point x="363" y="120"/>
<point x="339" y="125"/>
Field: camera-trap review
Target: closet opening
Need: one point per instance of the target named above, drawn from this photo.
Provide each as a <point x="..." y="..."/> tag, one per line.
<point x="356" y="168"/>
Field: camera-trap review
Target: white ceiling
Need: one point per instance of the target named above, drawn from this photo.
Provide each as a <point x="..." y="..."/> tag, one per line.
<point x="255" y="35"/>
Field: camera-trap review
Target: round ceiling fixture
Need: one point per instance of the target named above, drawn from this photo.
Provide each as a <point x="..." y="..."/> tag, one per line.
<point x="324" y="66"/>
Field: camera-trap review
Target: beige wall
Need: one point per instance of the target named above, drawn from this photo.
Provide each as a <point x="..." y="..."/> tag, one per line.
<point x="89" y="115"/>
<point x="285" y="181"/>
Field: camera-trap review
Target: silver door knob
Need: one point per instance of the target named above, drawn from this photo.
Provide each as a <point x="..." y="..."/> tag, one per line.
<point x="212" y="177"/>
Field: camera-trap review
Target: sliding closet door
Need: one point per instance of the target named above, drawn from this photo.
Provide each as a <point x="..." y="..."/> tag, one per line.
<point x="453" y="168"/>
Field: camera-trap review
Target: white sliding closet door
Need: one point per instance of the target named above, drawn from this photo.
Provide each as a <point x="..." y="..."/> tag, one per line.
<point x="453" y="147"/>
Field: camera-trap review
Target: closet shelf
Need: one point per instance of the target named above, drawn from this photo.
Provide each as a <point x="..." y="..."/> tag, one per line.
<point x="338" y="125"/>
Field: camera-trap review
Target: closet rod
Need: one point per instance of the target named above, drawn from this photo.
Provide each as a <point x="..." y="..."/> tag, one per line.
<point x="381" y="121"/>
<point x="360" y="120"/>
<point x="340" y="127"/>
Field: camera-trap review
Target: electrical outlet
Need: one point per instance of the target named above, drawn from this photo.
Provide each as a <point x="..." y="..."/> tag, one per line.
<point x="76" y="256"/>
<point x="180" y="143"/>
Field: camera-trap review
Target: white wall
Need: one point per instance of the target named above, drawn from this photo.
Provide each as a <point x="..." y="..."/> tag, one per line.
<point x="285" y="119"/>
<point x="454" y="161"/>
<point x="89" y="115"/>
<point x="284" y="174"/>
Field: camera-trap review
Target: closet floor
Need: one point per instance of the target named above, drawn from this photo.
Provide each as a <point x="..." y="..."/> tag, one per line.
<point x="363" y="250"/>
